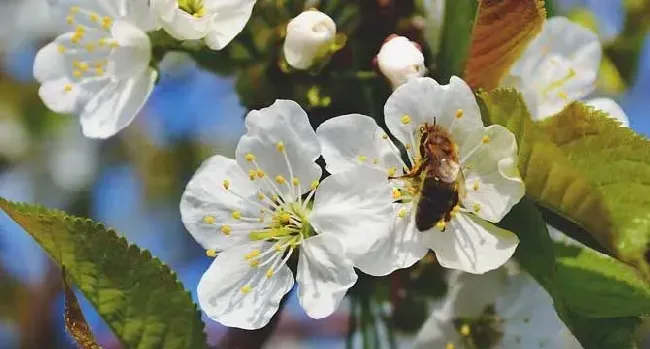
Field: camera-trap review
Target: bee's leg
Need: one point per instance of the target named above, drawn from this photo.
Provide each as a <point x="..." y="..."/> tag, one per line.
<point x="416" y="171"/>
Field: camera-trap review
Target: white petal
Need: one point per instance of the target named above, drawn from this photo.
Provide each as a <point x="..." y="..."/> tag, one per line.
<point x="220" y="292"/>
<point x="492" y="180"/>
<point x="468" y="245"/>
<point x="324" y="275"/>
<point x="58" y="99"/>
<point x="206" y="196"/>
<point x="423" y="100"/>
<point x="132" y="56"/>
<point x="229" y="20"/>
<point x="350" y="140"/>
<point x="178" y="23"/>
<point x="438" y="331"/>
<point x="141" y="15"/>
<point x="284" y="121"/>
<point x="165" y="9"/>
<point x="309" y="37"/>
<point x="50" y="64"/>
<point x="401" y="249"/>
<point x="109" y="8"/>
<point x="355" y="207"/>
<point x="610" y="107"/>
<point x="472" y="294"/>
<point x="116" y="105"/>
<point x="561" y="65"/>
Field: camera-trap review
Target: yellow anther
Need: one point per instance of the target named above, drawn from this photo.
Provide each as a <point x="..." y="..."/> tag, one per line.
<point x="384" y="136"/>
<point x="477" y="207"/>
<point x="76" y="38"/>
<point x="450" y="346"/>
<point x="101" y="42"/>
<point x="284" y="218"/>
<point x="254" y="263"/>
<point x="74" y="9"/>
<point x="90" y="47"/>
<point x="77" y="74"/>
<point x="99" y="71"/>
<point x="69" y="20"/>
<point x="402" y="213"/>
<point x="226" y="184"/>
<point x="397" y="194"/>
<point x="226" y="229"/>
<point x="563" y="95"/>
<point x="260" y="173"/>
<point x="246" y="289"/>
<point x="459" y="113"/>
<point x="249" y="157"/>
<point x="211" y="253"/>
<point x="475" y="186"/>
<point x="406" y="119"/>
<point x="392" y="171"/>
<point x="269" y="273"/>
<point x="199" y="13"/>
<point x="441" y="225"/>
<point x="80" y="29"/>
<point x="61" y="49"/>
<point x="279" y="146"/>
<point x="67" y="88"/>
<point x="261" y="196"/>
<point x="362" y="158"/>
<point x="114" y="44"/>
<point x="252" y="174"/>
<point x="252" y="254"/>
<point x="408" y="146"/>
<point x="107" y="22"/>
<point x="486" y="139"/>
<point x="278" y="247"/>
<point x="275" y="198"/>
<point x="94" y="17"/>
<point x="295" y="181"/>
<point x="209" y="219"/>
<point x="83" y="66"/>
<point x="314" y="185"/>
<point x="280" y="179"/>
<point x="465" y="330"/>
<point x="236" y="215"/>
<point x="456" y="209"/>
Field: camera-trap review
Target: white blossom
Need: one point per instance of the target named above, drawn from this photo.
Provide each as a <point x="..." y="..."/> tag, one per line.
<point x="253" y="214"/>
<point x="560" y="66"/>
<point x="400" y="59"/>
<point x="310" y="36"/>
<point x="487" y="163"/>
<point x="99" y="70"/>
<point x="509" y="311"/>
<point x="217" y="22"/>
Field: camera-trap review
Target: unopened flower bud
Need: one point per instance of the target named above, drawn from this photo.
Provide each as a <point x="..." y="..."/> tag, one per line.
<point x="400" y="59"/>
<point x="310" y="35"/>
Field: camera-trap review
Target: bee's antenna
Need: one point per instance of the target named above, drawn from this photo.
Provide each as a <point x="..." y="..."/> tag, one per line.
<point x="434" y="121"/>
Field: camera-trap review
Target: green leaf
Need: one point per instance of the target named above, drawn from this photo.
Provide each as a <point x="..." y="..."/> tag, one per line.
<point x="137" y="295"/>
<point x="597" y="285"/>
<point x="455" y="38"/>
<point x="617" y="161"/>
<point x="552" y="179"/>
<point x="613" y="333"/>
<point x="501" y="33"/>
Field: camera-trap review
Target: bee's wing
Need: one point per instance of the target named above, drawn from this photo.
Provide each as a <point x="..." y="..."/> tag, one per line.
<point x="462" y="190"/>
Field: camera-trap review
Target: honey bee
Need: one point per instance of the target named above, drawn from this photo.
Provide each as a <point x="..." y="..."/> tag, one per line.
<point x="440" y="175"/>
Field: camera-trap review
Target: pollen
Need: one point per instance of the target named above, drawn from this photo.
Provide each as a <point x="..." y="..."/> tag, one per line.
<point x="209" y="220"/>
<point x="392" y="171"/>
<point x="246" y="289"/>
<point x="465" y="330"/>
<point x="486" y="139"/>
<point x="384" y="136"/>
<point x="397" y="194"/>
<point x="90" y="47"/>
<point x="280" y="179"/>
<point x="477" y="207"/>
<point x="254" y="263"/>
<point x="211" y="253"/>
<point x="269" y="273"/>
<point x="76" y="38"/>
<point x="252" y="254"/>
<point x="226" y="184"/>
<point x="74" y="9"/>
<point x="406" y="119"/>
<point x="107" y="22"/>
<point x="402" y="213"/>
<point x="314" y="185"/>
<point x="260" y="173"/>
<point x="249" y="157"/>
<point x="67" y="88"/>
<point x="279" y="146"/>
<point x="408" y="146"/>
<point x="295" y="181"/>
<point x="77" y="74"/>
<point x="226" y="229"/>
<point x="459" y="113"/>
<point x="83" y="66"/>
<point x="99" y="71"/>
<point x="94" y="17"/>
<point x="450" y="346"/>
<point x="563" y="95"/>
<point x="61" y="49"/>
<point x="284" y="218"/>
<point x="69" y="19"/>
<point x="261" y="196"/>
<point x="278" y="247"/>
<point x="475" y="186"/>
<point x="252" y="174"/>
<point x="236" y="215"/>
<point x="362" y="158"/>
<point x="441" y="225"/>
<point x="275" y="198"/>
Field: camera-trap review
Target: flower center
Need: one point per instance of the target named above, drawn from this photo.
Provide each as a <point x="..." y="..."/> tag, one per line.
<point x="561" y="73"/>
<point x="88" y="46"/>
<point x="288" y="226"/>
<point x="485" y="331"/>
<point x="193" y="7"/>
